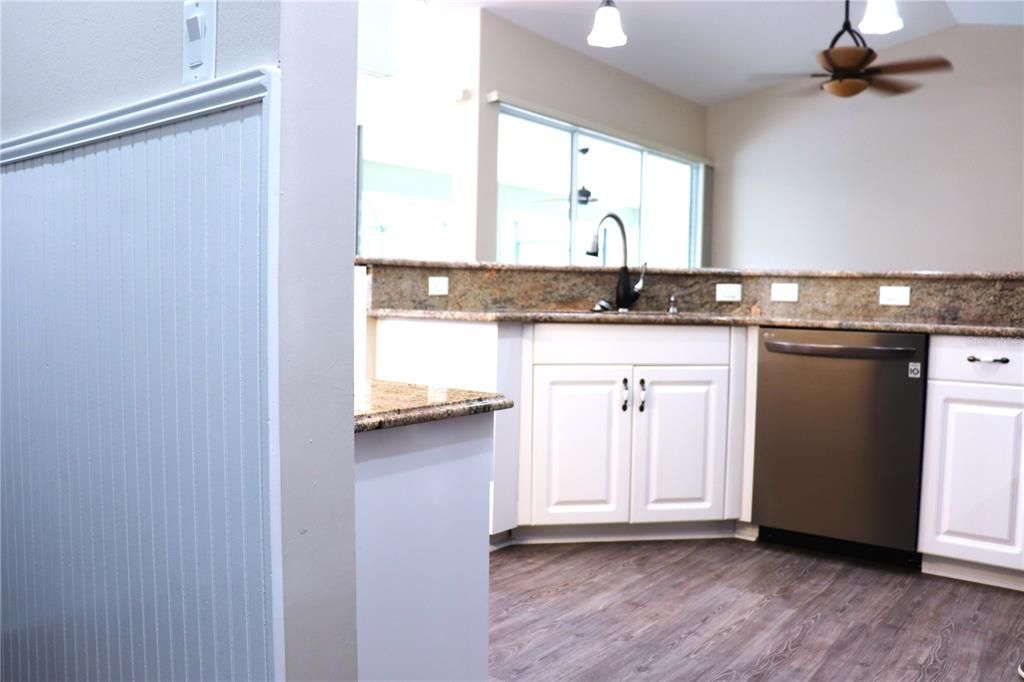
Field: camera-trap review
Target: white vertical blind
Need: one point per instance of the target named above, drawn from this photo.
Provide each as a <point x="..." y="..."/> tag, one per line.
<point x="133" y="395"/>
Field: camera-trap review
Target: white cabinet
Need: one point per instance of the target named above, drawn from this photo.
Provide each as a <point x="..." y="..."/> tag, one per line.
<point x="972" y="500"/>
<point x="581" y="443"/>
<point x="679" y="443"/>
<point x="972" y="491"/>
<point x="618" y="442"/>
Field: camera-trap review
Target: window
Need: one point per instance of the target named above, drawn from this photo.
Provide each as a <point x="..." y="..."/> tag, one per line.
<point x="556" y="181"/>
<point x="406" y="176"/>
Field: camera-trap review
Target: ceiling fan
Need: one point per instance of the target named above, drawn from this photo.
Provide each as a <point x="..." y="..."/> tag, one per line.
<point x="849" y="71"/>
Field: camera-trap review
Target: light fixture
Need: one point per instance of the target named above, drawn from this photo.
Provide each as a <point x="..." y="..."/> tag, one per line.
<point x="607" y="31"/>
<point x="881" y="17"/>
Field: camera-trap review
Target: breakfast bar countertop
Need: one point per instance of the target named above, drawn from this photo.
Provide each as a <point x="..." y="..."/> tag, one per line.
<point x="387" y="404"/>
<point x="698" y="318"/>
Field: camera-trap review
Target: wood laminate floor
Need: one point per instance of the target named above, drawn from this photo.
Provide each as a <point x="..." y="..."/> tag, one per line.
<point x="734" y="610"/>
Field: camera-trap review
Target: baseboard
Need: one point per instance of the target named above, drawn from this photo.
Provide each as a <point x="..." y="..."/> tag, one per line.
<point x="619" y="532"/>
<point x="975" y="573"/>
<point x="747" y="531"/>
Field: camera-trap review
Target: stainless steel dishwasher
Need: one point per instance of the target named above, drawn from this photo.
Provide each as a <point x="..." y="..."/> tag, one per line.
<point x="840" y="420"/>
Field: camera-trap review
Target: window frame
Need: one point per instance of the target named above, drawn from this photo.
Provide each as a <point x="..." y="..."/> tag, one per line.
<point x="697" y="173"/>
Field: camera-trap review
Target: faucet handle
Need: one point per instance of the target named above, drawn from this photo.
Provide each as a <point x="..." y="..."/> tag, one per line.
<point x="639" y="286"/>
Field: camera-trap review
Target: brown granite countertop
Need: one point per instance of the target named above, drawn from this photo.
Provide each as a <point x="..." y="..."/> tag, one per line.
<point x="721" y="272"/>
<point x="387" y="404"/>
<point x="690" y="318"/>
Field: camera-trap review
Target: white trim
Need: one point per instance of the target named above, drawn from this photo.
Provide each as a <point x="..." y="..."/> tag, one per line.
<point x="525" y="516"/>
<point x="189" y="102"/>
<point x="271" y="121"/>
<point x="736" y="422"/>
<point x="541" y="111"/>
<point x="698" y="197"/>
<point x="975" y="573"/>
<point x="750" y="424"/>
<point x="618" y="532"/>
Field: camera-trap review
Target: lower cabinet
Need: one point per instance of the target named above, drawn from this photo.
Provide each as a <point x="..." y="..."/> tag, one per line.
<point x="972" y="498"/>
<point x="621" y="443"/>
<point x="679" y="438"/>
<point x="582" y="421"/>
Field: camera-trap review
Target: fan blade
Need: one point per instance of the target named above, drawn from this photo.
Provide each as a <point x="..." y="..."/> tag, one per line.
<point x="892" y="87"/>
<point x="921" y="65"/>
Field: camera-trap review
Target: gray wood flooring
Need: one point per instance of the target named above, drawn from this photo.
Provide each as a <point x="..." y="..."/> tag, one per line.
<point x="734" y="610"/>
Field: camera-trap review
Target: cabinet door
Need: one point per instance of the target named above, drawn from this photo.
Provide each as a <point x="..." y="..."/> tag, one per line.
<point x="679" y="443"/>
<point x="581" y="437"/>
<point x="972" y="497"/>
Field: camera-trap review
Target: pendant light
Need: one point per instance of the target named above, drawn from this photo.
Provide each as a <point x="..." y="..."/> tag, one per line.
<point x="881" y="17"/>
<point x="607" y="31"/>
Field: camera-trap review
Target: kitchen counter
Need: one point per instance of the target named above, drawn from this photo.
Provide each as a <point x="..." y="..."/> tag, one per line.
<point x="646" y="317"/>
<point x="968" y="303"/>
<point x="388" y="404"/>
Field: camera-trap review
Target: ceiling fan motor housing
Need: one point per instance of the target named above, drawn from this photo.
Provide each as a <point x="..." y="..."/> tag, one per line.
<point x="846" y="58"/>
<point x="845" y="87"/>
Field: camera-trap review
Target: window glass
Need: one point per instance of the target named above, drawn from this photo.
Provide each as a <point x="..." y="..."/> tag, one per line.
<point x="666" y="202"/>
<point x="556" y="182"/>
<point x="406" y="175"/>
<point x="611" y="173"/>
<point x="534" y="179"/>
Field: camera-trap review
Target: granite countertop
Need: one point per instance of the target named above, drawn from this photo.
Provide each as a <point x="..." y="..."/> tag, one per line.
<point x="725" y="272"/>
<point x="387" y="404"/>
<point x="689" y="318"/>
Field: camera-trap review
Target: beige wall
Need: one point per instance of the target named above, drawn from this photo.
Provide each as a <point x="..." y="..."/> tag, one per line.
<point x="84" y="58"/>
<point x="549" y="78"/>
<point x="927" y="181"/>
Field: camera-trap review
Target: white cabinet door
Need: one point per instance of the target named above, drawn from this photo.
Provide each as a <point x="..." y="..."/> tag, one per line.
<point x="972" y="497"/>
<point x="679" y="443"/>
<point x="581" y="439"/>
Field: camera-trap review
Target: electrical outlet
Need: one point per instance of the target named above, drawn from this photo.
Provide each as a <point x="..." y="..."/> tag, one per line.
<point x="787" y="292"/>
<point x="437" y="286"/>
<point x="728" y="292"/>
<point x="894" y="295"/>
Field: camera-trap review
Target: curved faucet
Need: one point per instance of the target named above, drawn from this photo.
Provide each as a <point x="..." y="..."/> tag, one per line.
<point x="626" y="293"/>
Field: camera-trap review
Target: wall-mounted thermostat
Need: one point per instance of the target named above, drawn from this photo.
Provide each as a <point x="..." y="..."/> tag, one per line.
<point x="198" y="40"/>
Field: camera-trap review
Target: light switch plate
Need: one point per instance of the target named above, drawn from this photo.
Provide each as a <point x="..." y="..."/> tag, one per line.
<point x="787" y="292"/>
<point x="437" y="286"/>
<point x="198" y="40"/>
<point x="728" y="292"/>
<point x="894" y="295"/>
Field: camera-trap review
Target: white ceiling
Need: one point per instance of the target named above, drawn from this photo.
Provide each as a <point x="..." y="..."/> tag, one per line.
<point x="709" y="51"/>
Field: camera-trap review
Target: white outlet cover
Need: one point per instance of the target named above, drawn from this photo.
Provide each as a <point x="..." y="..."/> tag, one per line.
<point x="437" y="286"/>
<point x="728" y="292"/>
<point x="786" y="292"/>
<point x="893" y="295"/>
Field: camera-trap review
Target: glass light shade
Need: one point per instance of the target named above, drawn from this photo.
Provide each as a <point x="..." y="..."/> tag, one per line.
<point x="881" y="17"/>
<point x="607" y="31"/>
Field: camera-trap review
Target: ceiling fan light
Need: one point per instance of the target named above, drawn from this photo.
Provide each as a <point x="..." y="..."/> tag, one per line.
<point x="881" y="17"/>
<point x="607" y="30"/>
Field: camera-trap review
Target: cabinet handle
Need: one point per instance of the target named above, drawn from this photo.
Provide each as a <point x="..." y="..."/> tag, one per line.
<point x="625" y="394"/>
<point x="643" y="394"/>
<point x="998" y="361"/>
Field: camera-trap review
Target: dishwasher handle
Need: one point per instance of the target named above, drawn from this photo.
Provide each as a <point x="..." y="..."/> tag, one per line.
<point x="828" y="350"/>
